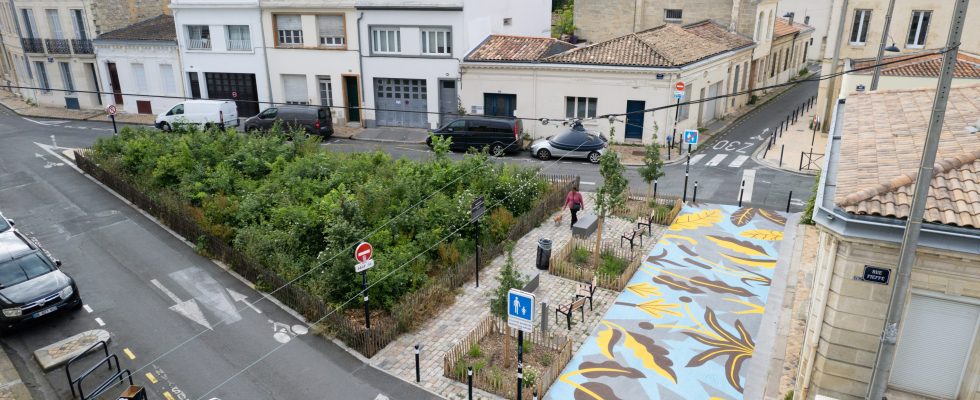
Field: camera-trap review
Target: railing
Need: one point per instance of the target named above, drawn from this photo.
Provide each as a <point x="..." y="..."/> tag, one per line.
<point x="32" y="45"/>
<point x="239" y="44"/>
<point x="57" y="46"/>
<point x="561" y="266"/>
<point x="82" y="46"/>
<point x="199" y="44"/>
<point x="812" y="161"/>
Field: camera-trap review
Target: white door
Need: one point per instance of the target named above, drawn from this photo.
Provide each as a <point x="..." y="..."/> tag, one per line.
<point x="934" y="346"/>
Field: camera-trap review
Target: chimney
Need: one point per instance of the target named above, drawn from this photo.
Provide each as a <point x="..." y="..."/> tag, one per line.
<point x="790" y="16"/>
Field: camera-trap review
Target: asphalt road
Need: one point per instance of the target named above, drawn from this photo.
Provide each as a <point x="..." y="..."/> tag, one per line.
<point x="132" y="274"/>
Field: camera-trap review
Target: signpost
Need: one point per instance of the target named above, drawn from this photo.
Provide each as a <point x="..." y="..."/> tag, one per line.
<point x="111" y="110"/>
<point x="691" y="138"/>
<point x="363" y="253"/>
<point x="520" y="316"/>
<point x="678" y="95"/>
<point x="876" y="274"/>
<point x="477" y="209"/>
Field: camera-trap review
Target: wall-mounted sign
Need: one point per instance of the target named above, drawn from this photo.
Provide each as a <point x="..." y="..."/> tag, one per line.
<point x="876" y="274"/>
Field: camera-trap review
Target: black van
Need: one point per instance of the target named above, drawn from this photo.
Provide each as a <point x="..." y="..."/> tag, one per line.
<point x="314" y="120"/>
<point x="499" y="135"/>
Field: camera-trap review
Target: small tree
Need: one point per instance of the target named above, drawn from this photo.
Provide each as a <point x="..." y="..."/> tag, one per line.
<point x="440" y="145"/>
<point x="508" y="278"/>
<point x="653" y="165"/>
<point x="611" y="194"/>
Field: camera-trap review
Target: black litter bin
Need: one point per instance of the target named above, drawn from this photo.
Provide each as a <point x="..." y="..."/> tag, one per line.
<point x="544" y="254"/>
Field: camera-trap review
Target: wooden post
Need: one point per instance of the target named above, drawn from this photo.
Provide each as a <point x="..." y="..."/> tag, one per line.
<point x="506" y="332"/>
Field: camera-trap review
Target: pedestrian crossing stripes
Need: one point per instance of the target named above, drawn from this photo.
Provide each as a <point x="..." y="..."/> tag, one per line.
<point x="695" y="159"/>
<point x="719" y="159"/>
<point x="716" y="160"/>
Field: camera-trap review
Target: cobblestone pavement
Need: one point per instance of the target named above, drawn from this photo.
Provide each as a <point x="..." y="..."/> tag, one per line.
<point x="471" y="306"/>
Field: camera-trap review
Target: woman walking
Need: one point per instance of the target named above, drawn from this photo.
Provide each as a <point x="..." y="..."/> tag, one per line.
<point x="573" y="201"/>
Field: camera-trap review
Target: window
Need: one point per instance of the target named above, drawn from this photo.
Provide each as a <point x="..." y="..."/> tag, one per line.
<point x="238" y="38"/>
<point x="437" y="41"/>
<point x="195" y="83"/>
<point x="29" y="23"/>
<point x="685" y="110"/>
<point x="758" y="27"/>
<point x="386" y="40"/>
<point x="859" y="32"/>
<point x="745" y="75"/>
<point x="673" y="15"/>
<point x="508" y="21"/>
<point x="580" y="107"/>
<point x="806" y="20"/>
<point x="66" y="76"/>
<point x="294" y="89"/>
<point x="289" y="30"/>
<point x="326" y="91"/>
<point x="735" y="84"/>
<point x="198" y="37"/>
<point x="139" y="76"/>
<point x="167" y="79"/>
<point x="78" y="21"/>
<point x="786" y="61"/>
<point x="330" y="29"/>
<point x="917" y="32"/>
<point x="54" y="24"/>
<point x="42" y="76"/>
<point x="772" y="65"/>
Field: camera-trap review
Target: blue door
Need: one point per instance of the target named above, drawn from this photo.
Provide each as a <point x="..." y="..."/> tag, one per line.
<point x="634" y="119"/>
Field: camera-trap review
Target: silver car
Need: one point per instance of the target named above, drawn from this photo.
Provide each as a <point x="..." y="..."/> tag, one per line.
<point x="573" y="143"/>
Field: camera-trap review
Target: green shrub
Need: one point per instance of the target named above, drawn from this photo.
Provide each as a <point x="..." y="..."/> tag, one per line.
<point x="788" y="396"/>
<point x="580" y="255"/>
<point x="499" y="224"/>
<point x="807" y="217"/>
<point x="612" y="265"/>
<point x="528" y="346"/>
<point x="507" y="279"/>
<point x="530" y="377"/>
<point x="474" y="351"/>
<point x="546" y="359"/>
<point x="753" y="99"/>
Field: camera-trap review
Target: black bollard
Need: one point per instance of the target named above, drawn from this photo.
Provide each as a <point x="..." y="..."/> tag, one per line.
<point x="695" y="198"/>
<point x="788" y="200"/>
<point x="469" y="383"/>
<point x="685" y="187"/>
<point x="741" y="193"/>
<point x="520" y="380"/>
<point x="418" y="373"/>
<point x="781" y="149"/>
<point x="654" y="189"/>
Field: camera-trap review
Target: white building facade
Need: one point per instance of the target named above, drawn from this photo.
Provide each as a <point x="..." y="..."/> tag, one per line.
<point x="223" y="52"/>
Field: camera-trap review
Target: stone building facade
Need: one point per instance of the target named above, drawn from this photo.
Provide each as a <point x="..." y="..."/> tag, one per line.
<point x="109" y="15"/>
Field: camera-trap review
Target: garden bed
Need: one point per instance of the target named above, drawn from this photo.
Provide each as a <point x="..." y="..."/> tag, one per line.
<point x="662" y="209"/>
<point x="494" y="362"/>
<point x="575" y="261"/>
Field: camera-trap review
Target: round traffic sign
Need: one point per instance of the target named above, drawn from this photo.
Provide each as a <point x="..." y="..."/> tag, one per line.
<point x="110" y="109"/>
<point x="363" y="252"/>
<point x="679" y="86"/>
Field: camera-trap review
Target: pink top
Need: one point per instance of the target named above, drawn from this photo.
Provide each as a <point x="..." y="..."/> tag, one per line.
<point x="573" y="198"/>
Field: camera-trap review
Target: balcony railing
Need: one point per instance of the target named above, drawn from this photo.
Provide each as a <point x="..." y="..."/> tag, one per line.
<point x="57" y="46"/>
<point x="199" y="44"/>
<point x="82" y="46"/>
<point x="239" y="45"/>
<point x="32" y="45"/>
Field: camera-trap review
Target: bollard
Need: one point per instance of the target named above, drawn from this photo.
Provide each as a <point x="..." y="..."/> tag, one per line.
<point x="802" y="153"/>
<point x="685" y="187"/>
<point x="741" y="193"/>
<point x="781" y="149"/>
<point x="788" y="200"/>
<point x="534" y="395"/>
<point x="469" y="381"/>
<point x="654" y="189"/>
<point x="418" y="373"/>
<point x="520" y="380"/>
<point x="544" y="316"/>
<point x="695" y="198"/>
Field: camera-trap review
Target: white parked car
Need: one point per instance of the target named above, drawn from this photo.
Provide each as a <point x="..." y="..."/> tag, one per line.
<point x="204" y="113"/>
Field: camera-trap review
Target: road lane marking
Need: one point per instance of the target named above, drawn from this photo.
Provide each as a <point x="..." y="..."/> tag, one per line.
<point x="87" y="308"/>
<point x="188" y="309"/>
<point x="100" y="322"/>
<point x="696" y="158"/>
<point x="129" y="354"/>
<point x="165" y="291"/>
<point x="716" y="160"/>
<point x="151" y="378"/>
<point x="738" y="161"/>
<point x="168" y="396"/>
<point x="749" y="177"/>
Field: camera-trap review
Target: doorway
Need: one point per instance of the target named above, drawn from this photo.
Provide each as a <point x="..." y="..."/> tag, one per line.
<point x="448" y="101"/>
<point x="95" y="81"/>
<point x="352" y="98"/>
<point x="114" y="82"/>
<point x="634" y="119"/>
<point x="499" y="104"/>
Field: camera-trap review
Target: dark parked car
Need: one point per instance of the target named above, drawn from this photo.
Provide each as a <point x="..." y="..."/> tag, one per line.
<point x="31" y="284"/>
<point x="499" y="135"/>
<point x="313" y="120"/>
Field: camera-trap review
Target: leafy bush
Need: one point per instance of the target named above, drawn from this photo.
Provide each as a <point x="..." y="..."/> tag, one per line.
<point x="499" y="224"/>
<point x="580" y="255"/>
<point x="546" y="359"/>
<point x="474" y="351"/>
<point x="807" y="217"/>
<point x="530" y="377"/>
<point x="611" y="264"/>
<point x="753" y="99"/>
<point x="508" y="278"/>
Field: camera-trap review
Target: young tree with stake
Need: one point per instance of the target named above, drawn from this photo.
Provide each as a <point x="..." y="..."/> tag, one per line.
<point x="611" y="195"/>
<point x="653" y="166"/>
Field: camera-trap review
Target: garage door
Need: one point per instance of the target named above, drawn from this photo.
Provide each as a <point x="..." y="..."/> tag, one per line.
<point x="401" y="102"/>
<point x="934" y="346"/>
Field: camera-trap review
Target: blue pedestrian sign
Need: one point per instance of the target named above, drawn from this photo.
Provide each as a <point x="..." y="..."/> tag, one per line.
<point x="691" y="136"/>
<point x="678" y="95"/>
<point x="520" y="310"/>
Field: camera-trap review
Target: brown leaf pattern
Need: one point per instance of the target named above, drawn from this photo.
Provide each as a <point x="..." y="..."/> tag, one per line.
<point x="676" y="284"/>
<point x="773" y="216"/>
<point x="595" y="389"/>
<point x="737" y="349"/>
<point x="720" y="287"/>
<point x="743" y="216"/>
<point x="659" y="353"/>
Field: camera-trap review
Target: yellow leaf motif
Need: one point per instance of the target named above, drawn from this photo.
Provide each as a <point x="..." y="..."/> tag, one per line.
<point x="657" y="308"/>
<point x="681" y="237"/>
<point x="752" y="308"/>
<point x="696" y="220"/>
<point x="644" y="290"/>
<point x="763" y="234"/>
<point x="657" y="363"/>
<point x="736" y="245"/>
<point x="750" y="262"/>
<point x="604" y="338"/>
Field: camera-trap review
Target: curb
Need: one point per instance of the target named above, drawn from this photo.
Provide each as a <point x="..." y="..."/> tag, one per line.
<point x="354" y="137"/>
<point x="11" y="384"/>
<point x="71" y="118"/>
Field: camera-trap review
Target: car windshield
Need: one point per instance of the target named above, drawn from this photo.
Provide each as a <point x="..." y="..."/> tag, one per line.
<point x="25" y="268"/>
<point x="4" y="225"/>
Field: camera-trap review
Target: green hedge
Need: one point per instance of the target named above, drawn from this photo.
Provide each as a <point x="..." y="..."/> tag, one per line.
<point x="292" y="205"/>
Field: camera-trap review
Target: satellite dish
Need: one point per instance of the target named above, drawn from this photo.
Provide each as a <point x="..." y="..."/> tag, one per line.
<point x="545" y="121"/>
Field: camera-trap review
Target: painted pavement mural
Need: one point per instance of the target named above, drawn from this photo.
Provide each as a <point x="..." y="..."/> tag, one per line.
<point x="683" y="328"/>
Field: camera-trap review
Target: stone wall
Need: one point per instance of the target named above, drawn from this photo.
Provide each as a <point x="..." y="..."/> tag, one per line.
<point x="853" y="311"/>
<point x="109" y="15"/>
<point x="600" y="20"/>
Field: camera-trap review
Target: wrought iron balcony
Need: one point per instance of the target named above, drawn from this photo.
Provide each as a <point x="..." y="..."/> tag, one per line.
<point x="82" y="46"/>
<point x="32" y="45"/>
<point x="57" y="46"/>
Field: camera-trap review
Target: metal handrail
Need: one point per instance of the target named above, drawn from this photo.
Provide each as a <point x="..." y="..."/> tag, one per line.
<point x="105" y="349"/>
<point x="92" y="369"/>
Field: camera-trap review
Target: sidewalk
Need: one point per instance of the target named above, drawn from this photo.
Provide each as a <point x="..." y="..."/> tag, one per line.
<point x="11" y="387"/>
<point x="798" y="149"/>
<point x="390" y="134"/>
<point x="792" y="321"/>
<point x="20" y="106"/>
<point x="471" y="306"/>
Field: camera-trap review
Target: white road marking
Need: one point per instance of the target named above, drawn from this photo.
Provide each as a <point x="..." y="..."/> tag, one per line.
<point x="165" y="291"/>
<point x="82" y="127"/>
<point x="749" y="177"/>
<point x="45" y="123"/>
<point x="381" y="397"/>
<point x="587" y="183"/>
<point x="208" y="292"/>
<point x="238" y="297"/>
<point x="187" y="308"/>
<point x="696" y="158"/>
<point x="737" y="163"/>
<point x="100" y="322"/>
<point x="716" y="160"/>
<point x="87" y="308"/>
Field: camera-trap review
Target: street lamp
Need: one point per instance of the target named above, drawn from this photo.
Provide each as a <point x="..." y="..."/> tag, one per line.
<point x="881" y="45"/>
<point x="892" y="48"/>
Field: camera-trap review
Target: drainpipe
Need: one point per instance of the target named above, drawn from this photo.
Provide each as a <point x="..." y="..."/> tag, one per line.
<point x="265" y="58"/>
<point x="360" y="68"/>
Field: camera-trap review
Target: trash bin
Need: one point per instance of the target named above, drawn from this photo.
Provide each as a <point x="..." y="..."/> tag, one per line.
<point x="544" y="254"/>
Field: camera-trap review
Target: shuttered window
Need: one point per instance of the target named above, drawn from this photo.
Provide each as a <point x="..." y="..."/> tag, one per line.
<point x="289" y="29"/>
<point x="330" y="29"/>
<point x="294" y="89"/>
<point x="139" y="75"/>
<point x="167" y="80"/>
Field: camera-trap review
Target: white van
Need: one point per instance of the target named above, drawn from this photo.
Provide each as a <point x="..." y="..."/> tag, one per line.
<point x="205" y="113"/>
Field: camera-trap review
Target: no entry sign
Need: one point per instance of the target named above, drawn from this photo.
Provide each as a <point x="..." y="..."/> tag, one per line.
<point x="110" y="109"/>
<point x="679" y="86"/>
<point x="363" y="252"/>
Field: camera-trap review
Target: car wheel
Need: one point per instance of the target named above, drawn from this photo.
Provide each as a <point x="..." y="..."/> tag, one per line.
<point x="594" y="157"/>
<point x="497" y="150"/>
<point x="78" y="306"/>
<point x="544" y="154"/>
<point x="428" y="141"/>
<point x="165" y="127"/>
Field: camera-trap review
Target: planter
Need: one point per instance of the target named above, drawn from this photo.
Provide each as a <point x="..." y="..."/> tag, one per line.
<point x="567" y="264"/>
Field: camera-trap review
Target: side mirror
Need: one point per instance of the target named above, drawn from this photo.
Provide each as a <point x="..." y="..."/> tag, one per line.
<point x="58" y="263"/>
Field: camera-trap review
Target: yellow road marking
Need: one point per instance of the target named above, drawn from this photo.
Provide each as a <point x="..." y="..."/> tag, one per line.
<point x="151" y="378"/>
<point x="168" y="395"/>
<point x="129" y="354"/>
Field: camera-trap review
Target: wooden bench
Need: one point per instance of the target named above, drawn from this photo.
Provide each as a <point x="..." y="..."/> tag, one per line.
<point x="567" y="310"/>
<point x="585" y="226"/>
<point x="586" y="290"/>
<point x="631" y="236"/>
<point x="649" y="223"/>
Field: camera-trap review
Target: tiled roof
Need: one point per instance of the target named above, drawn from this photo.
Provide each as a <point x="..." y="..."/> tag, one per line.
<point x="783" y="27"/>
<point x="921" y="65"/>
<point x="157" y="28"/>
<point x="664" y="46"/>
<point x="882" y="139"/>
<point x="517" y="48"/>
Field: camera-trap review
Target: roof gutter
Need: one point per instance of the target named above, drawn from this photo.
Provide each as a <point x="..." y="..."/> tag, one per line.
<point x="611" y="67"/>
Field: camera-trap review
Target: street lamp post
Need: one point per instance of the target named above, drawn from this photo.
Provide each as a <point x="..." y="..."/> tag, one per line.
<point x="896" y="305"/>
<point x="881" y="46"/>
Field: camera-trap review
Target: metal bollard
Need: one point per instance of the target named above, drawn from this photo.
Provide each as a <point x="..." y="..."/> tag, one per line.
<point x="695" y="198"/>
<point x="469" y="381"/>
<point x="789" y="200"/>
<point x="741" y="193"/>
<point x="655" y="189"/>
<point x="544" y="316"/>
<point x="418" y="372"/>
<point x="685" y="187"/>
<point x="534" y="395"/>
<point x="520" y="380"/>
<point x="802" y="153"/>
<point x="781" y="149"/>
